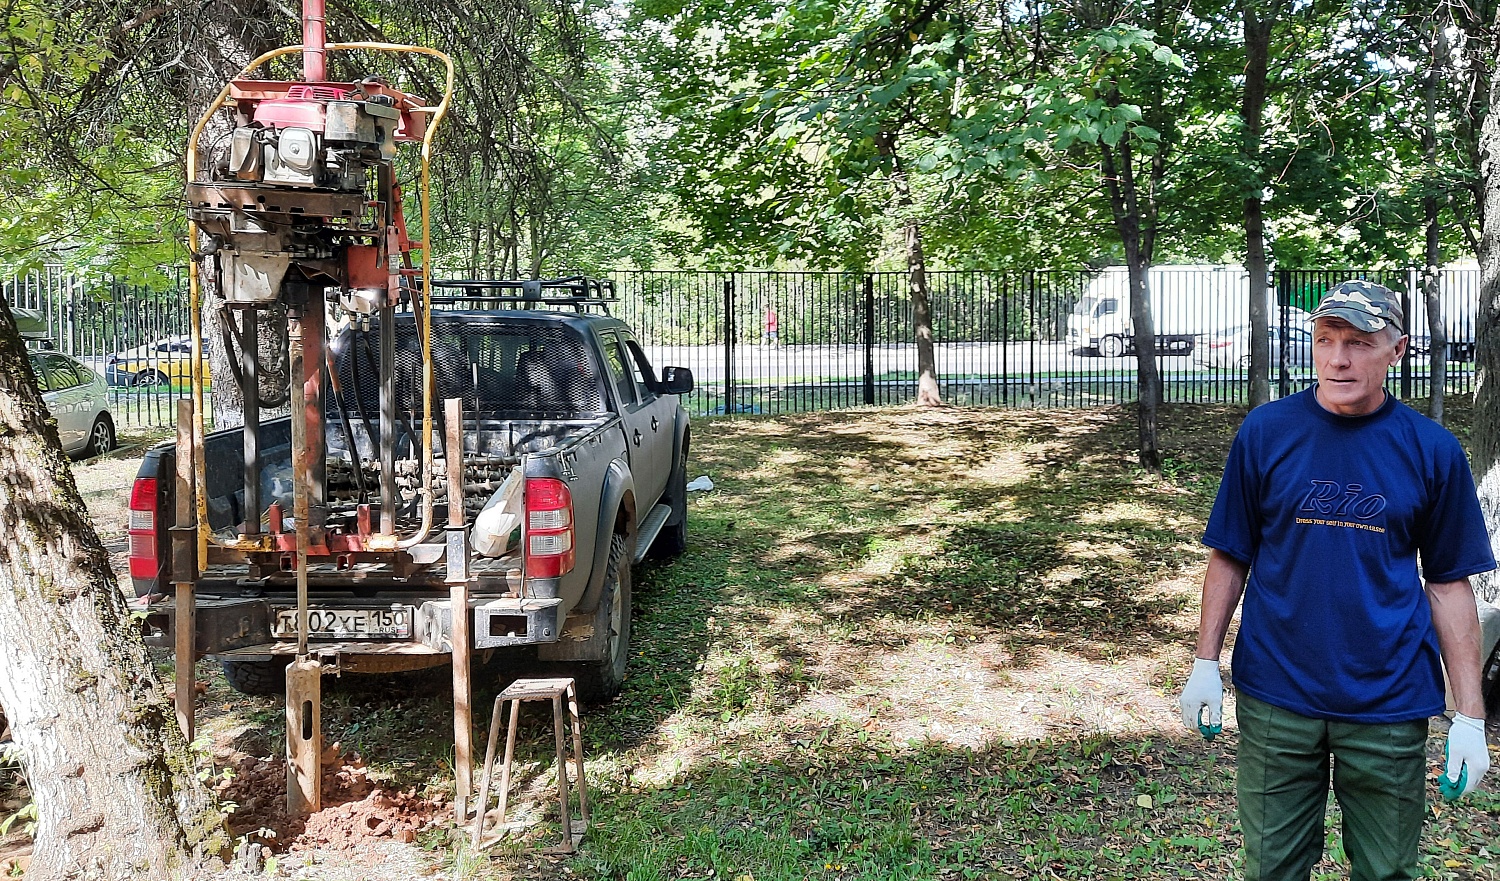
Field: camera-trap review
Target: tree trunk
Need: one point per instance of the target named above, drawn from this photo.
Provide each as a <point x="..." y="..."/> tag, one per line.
<point x="1436" y="328"/>
<point x="1119" y="180"/>
<point x="928" y="392"/>
<point x="1485" y="431"/>
<point x="116" y="792"/>
<point x="1257" y="55"/>
<point x="231" y="34"/>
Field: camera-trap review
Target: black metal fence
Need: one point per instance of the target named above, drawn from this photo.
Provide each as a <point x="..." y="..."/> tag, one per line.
<point x="773" y="342"/>
<point x="104" y="323"/>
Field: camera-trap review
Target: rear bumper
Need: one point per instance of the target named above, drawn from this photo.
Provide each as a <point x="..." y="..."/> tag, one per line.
<point x="241" y="627"/>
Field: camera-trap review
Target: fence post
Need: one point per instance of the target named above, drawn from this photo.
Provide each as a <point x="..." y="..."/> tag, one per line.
<point x="1406" y="356"/>
<point x="1284" y="301"/>
<point x="869" y="338"/>
<point x="729" y="344"/>
<point x="1005" y="335"/>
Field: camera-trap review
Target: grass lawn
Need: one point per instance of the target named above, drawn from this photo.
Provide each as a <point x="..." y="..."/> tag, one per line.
<point x="901" y="644"/>
<point x="947" y="644"/>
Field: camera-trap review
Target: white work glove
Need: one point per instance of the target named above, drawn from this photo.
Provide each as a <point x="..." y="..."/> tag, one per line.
<point x="1202" y="699"/>
<point x="1468" y="757"/>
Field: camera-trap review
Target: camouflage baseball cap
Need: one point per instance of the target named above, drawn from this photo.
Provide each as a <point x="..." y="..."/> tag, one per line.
<point x="1364" y="304"/>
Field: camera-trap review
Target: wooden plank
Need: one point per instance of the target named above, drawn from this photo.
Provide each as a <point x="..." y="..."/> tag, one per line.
<point x="185" y="625"/>
<point x="458" y="605"/>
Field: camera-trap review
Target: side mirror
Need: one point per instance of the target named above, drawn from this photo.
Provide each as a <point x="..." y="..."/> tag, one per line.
<point x="676" y="380"/>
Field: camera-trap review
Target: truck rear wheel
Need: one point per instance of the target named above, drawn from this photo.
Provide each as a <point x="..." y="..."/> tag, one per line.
<point x="260" y="678"/>
<point x="600" y="681"/>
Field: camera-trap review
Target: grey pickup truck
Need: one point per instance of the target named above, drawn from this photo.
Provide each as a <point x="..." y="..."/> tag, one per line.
<point x="565" y="422"/>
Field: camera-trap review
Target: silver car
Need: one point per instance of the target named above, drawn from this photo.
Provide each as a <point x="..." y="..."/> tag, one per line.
<point x="1230" y="348"/>
<point x="78" y="400"/>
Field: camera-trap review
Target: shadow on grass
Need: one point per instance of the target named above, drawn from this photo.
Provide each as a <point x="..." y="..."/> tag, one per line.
<point x="901" y="526"/>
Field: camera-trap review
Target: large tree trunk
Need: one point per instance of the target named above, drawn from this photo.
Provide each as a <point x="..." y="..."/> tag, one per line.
<point x="112" y="778"/>
<point x="236" y="32"/>
<point x="1257" y="55"/>
<point x="1119" y="177"/>
<point x="1485" y="432"/>
<point x="928" y="392"/>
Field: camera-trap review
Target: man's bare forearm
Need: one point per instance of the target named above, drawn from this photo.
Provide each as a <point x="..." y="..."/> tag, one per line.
<point x="1455" y="617"/>
<point x="1223" y="584"/>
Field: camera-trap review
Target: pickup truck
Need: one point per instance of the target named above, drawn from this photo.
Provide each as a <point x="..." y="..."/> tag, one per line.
<point x="564" y="402"/>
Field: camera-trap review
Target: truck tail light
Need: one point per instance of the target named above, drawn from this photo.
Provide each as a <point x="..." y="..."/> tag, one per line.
<point x="142" y="529"/>
<point x="549" y="528"/>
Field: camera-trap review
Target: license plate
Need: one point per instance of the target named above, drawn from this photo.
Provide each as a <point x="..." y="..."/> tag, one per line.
<point x="348" y="623"/>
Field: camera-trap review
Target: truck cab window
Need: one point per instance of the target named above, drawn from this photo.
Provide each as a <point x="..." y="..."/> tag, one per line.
<point x="640" y="369"/>
<point x="1107" y="306"/>
<point x="619" y="374"/>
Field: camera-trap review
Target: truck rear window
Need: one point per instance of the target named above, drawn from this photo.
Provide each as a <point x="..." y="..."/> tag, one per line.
<point x="496" y="368"/>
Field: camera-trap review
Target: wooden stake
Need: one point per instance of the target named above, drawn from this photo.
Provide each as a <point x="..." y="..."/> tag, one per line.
<point x="184" y="574"/>
<point x="458" y="603"/>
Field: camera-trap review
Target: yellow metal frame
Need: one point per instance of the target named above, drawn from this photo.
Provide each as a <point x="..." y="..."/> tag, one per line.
<point x="437" y="113"/>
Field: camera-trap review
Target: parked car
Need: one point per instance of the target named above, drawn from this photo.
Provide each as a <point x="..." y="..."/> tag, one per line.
<point x="164" y="362"/>
<point x="1230" y="348"/>
<point x="78" y="400"/>
<point x="1458" y="350"/>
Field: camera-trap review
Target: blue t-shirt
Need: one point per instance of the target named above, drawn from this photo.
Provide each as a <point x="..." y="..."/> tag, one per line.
<point x="1331" y="514"/>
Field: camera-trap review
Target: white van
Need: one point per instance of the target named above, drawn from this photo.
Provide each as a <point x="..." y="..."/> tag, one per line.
<point x="1458" y="292"/>
<point x="1185" y="301"/>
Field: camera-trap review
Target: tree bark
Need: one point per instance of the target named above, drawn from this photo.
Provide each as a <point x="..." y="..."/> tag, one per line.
<point x="1257" y="57"/>
<point x="1436" y="328"/>
<point x="1119" y="178"/>
<point x="116" y="792"/>
<point x="1485" y="432"/>
<point x="928" y="392"/>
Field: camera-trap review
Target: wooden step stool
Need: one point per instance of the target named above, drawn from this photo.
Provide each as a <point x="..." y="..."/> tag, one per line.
<point x="538" y="690"/>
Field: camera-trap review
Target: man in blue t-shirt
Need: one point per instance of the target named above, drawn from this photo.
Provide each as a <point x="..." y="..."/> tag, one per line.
<point x="1331" y="497"/>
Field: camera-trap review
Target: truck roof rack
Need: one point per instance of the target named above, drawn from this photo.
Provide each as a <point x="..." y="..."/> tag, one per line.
<point x="578" y="291"/>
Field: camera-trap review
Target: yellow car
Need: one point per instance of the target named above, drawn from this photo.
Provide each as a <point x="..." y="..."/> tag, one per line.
<point x="165" y="362"/>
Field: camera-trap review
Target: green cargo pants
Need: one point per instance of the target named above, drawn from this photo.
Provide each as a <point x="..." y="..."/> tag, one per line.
<point x="1282" y="785"/>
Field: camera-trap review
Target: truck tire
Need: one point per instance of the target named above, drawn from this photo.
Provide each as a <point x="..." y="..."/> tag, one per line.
<point x="672" y="540"/>
<point x="599" y="681"/>
<point x="1112" y="346"/>
<point x="259" y="678"/>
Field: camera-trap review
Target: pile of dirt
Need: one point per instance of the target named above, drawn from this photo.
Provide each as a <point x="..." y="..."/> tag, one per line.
<point x="355" y="809"/>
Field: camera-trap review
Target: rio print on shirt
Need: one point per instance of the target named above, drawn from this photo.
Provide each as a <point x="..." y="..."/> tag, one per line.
<point x="1331" y="498"/>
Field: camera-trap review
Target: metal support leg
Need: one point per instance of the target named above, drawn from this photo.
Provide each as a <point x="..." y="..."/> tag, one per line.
<point x="303" y="676"/>
<point x="565" y="819"/>
<point x="387" y="420"/>
<point x="250" y="373"/>
<point x="583" y="787"/>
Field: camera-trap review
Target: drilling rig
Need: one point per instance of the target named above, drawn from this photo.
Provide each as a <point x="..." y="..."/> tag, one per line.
<point x="298" y="207"/>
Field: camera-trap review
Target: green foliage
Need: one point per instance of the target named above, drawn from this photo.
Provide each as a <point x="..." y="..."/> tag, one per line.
<point x="787" y="122"/>
<point x="87" y="189"/>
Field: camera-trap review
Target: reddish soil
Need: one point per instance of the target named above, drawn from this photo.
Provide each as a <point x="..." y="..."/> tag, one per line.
<point x="355" y="809"/>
